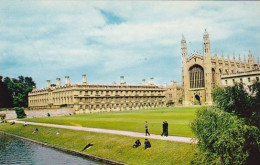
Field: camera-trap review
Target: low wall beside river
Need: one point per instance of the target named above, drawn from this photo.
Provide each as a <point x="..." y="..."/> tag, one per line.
<point x="10" y="114"/>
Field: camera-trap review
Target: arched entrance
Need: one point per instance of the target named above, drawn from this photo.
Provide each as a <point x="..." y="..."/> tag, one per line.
<point x="197" y="100"/>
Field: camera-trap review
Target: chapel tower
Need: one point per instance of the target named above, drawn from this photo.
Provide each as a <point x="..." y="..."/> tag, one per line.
<point x="207" y="67"/>
<point x="184" y="68"/>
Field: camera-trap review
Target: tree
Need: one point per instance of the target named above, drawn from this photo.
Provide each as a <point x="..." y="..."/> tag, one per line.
<point x="224" y="138"/>
<point x="229" y="133"/>
<point x="19" y="89"/>
<point x="240" y="100"/>
<point x="20" y="112"/>
<point x="5" y="96"/>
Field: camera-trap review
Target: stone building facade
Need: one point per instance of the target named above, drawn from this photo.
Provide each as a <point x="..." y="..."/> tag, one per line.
<point x="247" y="78"/>
<point x="89" y="98"/>
<point x="200" y="72"/>
<point x="173" y="94"/>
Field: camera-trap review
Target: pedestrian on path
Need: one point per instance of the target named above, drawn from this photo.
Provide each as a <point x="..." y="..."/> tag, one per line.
<point x="146" y="129"/>
<point x="164" y="129"/>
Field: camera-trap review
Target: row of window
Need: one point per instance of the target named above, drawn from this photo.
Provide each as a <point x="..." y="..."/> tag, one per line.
<point x="241" y="80"/>
<point x="117" y="106"/>
<point x="116" y="99"/>
<point x="118" y="92"/>
<point x="232" y="65"/>
<point x="65" y="99"/>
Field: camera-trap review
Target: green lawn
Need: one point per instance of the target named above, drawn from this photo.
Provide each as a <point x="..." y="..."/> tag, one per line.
<point x="179" y="120"/>
<point x="114" y="147"/>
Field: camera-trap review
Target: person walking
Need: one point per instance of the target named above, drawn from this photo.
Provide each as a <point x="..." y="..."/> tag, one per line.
<point x="166" y="129"/>
<point x="163" y="127"/>
<point x="146" y="129"/>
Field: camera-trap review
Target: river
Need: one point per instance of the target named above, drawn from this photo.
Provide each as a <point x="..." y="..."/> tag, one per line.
<point x="21" y="152"/>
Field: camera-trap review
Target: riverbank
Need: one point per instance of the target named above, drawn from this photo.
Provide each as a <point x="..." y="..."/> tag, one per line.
<point x="93" y="157"/>
<point x="113" y="147"/>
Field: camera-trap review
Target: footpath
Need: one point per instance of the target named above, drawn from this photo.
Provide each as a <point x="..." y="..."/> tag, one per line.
<point x="116" y="132"/>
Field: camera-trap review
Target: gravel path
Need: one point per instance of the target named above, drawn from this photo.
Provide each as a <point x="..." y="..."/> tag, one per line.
<point x="116" y="132"/>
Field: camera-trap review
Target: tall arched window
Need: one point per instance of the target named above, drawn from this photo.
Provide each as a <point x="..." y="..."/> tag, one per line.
<point x="213" y="75"/>
<point x="220" y="71"/>
<point x="196" y="77"/>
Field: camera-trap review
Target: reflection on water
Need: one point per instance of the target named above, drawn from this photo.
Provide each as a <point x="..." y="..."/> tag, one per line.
<point x="17" y="151"/>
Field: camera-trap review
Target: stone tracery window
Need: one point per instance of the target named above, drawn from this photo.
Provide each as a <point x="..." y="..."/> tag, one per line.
<point x="196" y="73"/>
<point x="213" y="75"/>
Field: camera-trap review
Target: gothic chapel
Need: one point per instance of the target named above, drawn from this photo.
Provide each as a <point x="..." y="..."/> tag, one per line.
<point x="201" y="72"/>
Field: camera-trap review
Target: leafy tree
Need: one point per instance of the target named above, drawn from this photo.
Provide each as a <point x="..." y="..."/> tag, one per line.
<point x="5" y="96"/>
<point x="19" y="89"/>
<point x="224" y="138"/>
<point x="20" y="112"/>
<point x="229" y="133"/>
<point x="240" y="100"/>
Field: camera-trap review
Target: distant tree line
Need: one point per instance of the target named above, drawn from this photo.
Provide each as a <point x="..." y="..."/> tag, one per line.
<point x="14" y="91"/>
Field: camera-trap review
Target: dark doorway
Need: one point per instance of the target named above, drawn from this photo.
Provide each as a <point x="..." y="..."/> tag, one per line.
<point x="197" y="100"/>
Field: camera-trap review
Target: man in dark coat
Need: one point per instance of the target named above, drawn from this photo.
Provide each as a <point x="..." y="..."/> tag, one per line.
<point x="166" y="128"/>
<point x="163" y="133"/>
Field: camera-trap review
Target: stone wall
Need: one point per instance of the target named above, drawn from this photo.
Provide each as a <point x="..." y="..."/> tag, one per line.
<point x="40" y="113"/>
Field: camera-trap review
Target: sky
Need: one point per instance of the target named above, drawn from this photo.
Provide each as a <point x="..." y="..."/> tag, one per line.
<point x="108" y="39"/>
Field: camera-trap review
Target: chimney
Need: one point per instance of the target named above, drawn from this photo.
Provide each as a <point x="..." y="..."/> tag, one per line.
<point x="122" y="80"/>
<point x="143" y="82"/>
<point x="152" y="81"/>
<point x="84" y="79"/>
<point x="58" y="82"/>
<point x="48" y="83"/>
<point x="174" y="83"/>
<point x="67" y="80"/>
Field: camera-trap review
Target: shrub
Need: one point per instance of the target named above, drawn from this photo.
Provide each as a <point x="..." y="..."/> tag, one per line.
<point x="20" y="112"/>
<point x="223" y="138"/>
<point x="170" y="103"/>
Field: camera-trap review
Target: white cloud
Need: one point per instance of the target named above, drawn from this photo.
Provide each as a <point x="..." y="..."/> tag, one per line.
<point x="70" y="35"/>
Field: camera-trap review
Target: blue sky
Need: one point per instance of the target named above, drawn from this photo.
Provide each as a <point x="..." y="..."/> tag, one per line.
<point x="104" y="39"/>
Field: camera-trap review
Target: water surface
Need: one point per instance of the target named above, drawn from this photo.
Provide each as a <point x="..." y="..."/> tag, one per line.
<point x="18" y="151"/>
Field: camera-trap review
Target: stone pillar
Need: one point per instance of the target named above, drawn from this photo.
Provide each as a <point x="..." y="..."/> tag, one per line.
<point x="122" y="80"/>
<point x="143" y="82"/>
<point x="48" y="83"/>
<point x="84" y="79"/>
<point x="152" y="81"/>
<point x="67" y="80"/>
<point x="58" y="82"/>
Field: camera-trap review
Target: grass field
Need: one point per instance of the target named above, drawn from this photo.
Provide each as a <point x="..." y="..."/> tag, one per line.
<point x="179" y="119"/>
<point x="114" y="147"/>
